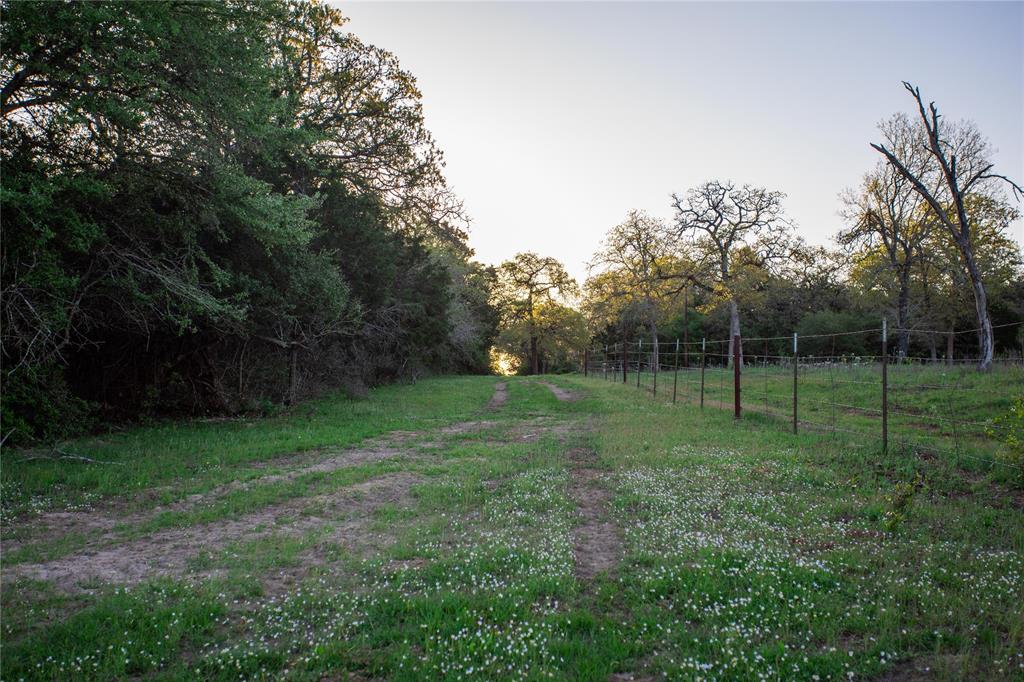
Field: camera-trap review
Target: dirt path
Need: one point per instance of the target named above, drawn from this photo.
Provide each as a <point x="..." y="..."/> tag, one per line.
<point x="104" y="521"/>
<point x="347" y="512"/>
<point x="597" y="543"/>
<point x="563" y="394"/>
<point x="499" y="397"/>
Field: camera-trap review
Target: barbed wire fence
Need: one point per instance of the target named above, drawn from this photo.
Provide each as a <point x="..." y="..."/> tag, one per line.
<point x="934" y="406"/>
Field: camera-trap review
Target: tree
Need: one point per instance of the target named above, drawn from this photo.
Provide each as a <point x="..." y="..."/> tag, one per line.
<point x="640" y="273"/>
<point x="358" y="118"/>
<point x="941" y="284"/>
<point x="732" y="229"/>
<point x="889" y="222"/>
<point x="522" y="284"/>
<point x="557" y="332"/>
<point x="959" y="167"/>
<point x="200" y="198"/>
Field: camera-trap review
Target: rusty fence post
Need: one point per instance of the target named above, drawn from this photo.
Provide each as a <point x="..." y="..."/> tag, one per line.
<point x="885" y="387"/>
<point x="656" y="363"/>
<point x="703" y="365"/>
<point x="624" y="363"/>
<point x="675" y="375"/>
<point x="736" y="375"/>
<point x="639" y="360"/>
<point x="796" y="370"/>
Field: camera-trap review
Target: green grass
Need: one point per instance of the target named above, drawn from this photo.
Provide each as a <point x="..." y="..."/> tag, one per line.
<point x="940" y="411"/>
<point x="747" y="553"/>
<point x="167" y="461"/>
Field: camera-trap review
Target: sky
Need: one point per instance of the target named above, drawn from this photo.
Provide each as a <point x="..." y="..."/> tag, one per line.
<point x="556" y="119"/>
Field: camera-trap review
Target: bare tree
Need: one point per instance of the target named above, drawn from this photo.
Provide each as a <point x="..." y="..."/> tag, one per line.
<point x="525" y="282"/>
<point x="890" y="222"/>
<point x="731" y="228"/>
<point x="959" y="167"/>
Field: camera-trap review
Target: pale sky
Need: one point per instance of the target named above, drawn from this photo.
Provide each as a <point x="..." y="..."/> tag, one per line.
<point x="558" y="118"/>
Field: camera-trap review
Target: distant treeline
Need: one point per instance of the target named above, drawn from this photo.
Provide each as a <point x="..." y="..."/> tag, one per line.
<point x="210" y="207"/>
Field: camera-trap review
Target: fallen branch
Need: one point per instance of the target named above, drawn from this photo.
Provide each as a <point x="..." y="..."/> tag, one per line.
<point x="72" y="456"/>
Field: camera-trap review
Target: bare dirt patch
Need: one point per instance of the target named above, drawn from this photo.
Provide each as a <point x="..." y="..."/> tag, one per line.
<point x="347" y="512"/>
<point x="563" y="394"/>
<point x="597" y="544"/>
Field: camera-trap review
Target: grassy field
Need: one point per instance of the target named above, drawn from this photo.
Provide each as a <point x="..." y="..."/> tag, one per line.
<point x="940" y="411"/>
<point x="471" y="528"/>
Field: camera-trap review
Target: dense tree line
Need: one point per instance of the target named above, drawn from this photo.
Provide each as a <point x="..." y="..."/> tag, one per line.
<point x="212" y="206"/>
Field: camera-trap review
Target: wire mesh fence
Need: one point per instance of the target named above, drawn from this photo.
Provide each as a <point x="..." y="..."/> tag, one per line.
<point x="935" y="405"/>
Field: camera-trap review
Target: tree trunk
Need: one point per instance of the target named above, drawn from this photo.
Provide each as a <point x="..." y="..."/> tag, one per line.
<point x="902" y="312"/>
<point x="734" y="330"/>
<point x="293" y="374"/>
<point x="933" y="349"/>
<point x="241" y="373"/>
<point x="949" y="346"/>
<point x="686" y="330"/>
<point x="985" y="340"/>
<point x="533" y="355"/>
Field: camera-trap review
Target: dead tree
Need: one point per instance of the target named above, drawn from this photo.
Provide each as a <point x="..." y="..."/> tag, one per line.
<point x="960" y="166"/>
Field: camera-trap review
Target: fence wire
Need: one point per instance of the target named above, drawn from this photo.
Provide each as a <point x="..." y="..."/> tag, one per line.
<point x="938" y="404"/>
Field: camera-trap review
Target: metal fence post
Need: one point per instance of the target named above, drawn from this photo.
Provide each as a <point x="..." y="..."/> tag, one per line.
<point x="796" y="370"/>
<point x="736" y="375"/>
<point x="703" y="364"/>
<point x="885" y="387"/>
<point x="655" y="361"/>
<point x="675" y="375"/>
<point x="639" y="360"/>
<point x="624" y="362"/>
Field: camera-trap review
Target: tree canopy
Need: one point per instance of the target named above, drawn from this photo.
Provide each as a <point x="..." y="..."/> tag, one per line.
<point x="212" y="204"/>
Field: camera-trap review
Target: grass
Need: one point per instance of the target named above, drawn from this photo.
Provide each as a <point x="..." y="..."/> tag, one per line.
<point x="941" y="411"/>
<point x="164" y="462"/>
<point x="746" y="553"/>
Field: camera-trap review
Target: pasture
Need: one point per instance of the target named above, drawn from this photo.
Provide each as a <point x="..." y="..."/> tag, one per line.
<point x="523" y="528"/>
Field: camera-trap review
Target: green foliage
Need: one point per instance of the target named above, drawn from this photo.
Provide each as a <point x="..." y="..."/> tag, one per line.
<point x="900" y="501"/>
<point x="1009" y="428"/>
<point x="534" y="324"/>
<point x="38" y="405"/>
<point x="204" y="201"/>
<point x="827" y="322"/>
